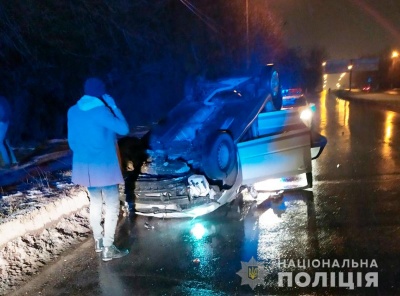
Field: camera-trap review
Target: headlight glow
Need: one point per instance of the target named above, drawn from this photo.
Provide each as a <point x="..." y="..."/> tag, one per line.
<point x="306" y="114"/>
<point x="198" y="230"/>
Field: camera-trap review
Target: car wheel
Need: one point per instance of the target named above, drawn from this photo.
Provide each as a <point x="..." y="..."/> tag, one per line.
<point x="220" y="158"/>
<point x="270" y="83"/>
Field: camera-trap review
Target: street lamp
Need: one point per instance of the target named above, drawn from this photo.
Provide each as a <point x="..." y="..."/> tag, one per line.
<point x="247" y="36"/>
<point x="350" y="68"/>
<point x="325" y="76"/>
<point x="395" y="55"/>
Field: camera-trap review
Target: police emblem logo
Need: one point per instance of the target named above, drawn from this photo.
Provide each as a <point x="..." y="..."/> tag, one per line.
<point x="252" y="273"/>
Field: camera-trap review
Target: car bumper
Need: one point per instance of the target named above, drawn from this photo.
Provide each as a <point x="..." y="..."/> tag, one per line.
<point x="150" y="200"/>
<point x="172" y="211"/>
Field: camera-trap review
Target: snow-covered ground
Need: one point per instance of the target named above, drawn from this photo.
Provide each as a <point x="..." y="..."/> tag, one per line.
<point x="41" y="214"/>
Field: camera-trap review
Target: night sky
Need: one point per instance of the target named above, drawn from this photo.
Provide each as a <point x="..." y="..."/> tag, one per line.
<point x="345" y="28"/>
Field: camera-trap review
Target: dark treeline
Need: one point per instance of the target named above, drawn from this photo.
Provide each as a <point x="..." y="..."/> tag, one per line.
<point x="148" y="53"/>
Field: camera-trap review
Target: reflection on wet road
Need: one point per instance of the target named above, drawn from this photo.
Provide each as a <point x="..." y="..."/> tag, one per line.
<point x="351" y="213"/>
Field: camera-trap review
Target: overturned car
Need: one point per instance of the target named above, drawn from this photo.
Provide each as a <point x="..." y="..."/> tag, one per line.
<point x="230" y="134"/>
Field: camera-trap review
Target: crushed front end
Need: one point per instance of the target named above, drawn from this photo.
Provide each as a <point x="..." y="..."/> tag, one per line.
<point x="188" y="195"/>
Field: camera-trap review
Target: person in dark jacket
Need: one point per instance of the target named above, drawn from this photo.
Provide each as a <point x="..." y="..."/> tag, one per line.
<point x="7" y="156"/>
<point x="92" y="130"/>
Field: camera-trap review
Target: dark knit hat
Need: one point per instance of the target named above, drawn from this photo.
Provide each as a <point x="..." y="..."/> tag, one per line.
<point x="94" y="87"/>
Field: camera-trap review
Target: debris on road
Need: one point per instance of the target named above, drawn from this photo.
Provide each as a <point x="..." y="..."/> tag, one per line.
<point x="148" y="226"/>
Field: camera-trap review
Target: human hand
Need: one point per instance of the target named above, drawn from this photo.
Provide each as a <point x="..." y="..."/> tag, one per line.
<point x="109" y="100"/>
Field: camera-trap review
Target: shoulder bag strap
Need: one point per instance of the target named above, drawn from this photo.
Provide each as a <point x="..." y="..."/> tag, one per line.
<point x="108" y="106"/>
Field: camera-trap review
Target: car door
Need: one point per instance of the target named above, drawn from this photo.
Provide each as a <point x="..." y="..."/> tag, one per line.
<point x="279" y="147"/>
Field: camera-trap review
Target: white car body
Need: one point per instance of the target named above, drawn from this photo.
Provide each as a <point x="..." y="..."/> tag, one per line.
<point x="277" y="145"/>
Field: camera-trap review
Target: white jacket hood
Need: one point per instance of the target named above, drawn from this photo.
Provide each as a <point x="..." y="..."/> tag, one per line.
<point x="86" y="103"/>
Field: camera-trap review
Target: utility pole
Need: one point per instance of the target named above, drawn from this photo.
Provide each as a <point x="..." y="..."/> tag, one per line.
<point x="247" y="36"/>
<point x="350" y="67"/>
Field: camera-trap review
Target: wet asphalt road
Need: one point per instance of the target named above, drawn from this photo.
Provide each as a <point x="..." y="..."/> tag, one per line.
<point x="353" y="212"/>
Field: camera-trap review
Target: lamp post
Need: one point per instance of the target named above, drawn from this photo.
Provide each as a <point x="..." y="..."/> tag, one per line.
<point x="395" y="55"/>
<point x="324" y="75"/>
<point x="247" y="36"/>
<point x="350" y="68"/>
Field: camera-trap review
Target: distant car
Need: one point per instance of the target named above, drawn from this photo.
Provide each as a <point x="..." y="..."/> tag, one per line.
<point x="366" y="88"/>
<point x="294" y="98"/>
<point x="292" y="92"/>
<point x="230" y="134"/>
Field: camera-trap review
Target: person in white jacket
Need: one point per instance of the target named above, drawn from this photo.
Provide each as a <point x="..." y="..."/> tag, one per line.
<point x="92" y="130"/>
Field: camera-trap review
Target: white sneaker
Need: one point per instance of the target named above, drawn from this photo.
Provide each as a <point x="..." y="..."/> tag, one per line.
<point x="111" y="252"/>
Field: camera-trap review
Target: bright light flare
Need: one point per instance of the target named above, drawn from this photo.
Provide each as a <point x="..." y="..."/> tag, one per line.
<point x="306" y="114"/>
<point x="198" y="231"/>
<point x="388" y="127"/>
<point x="269" y="219"/>
<point x="299" y="181"/>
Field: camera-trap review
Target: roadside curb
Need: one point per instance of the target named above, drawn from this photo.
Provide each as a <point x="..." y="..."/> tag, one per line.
<point x="42" y="217"/>
<point x="392" y="102"/>
<point x="33" y="237"/>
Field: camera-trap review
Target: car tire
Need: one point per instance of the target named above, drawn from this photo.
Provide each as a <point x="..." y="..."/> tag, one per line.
<point x="220" y="158"/>
<point x="270" y="83"/>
